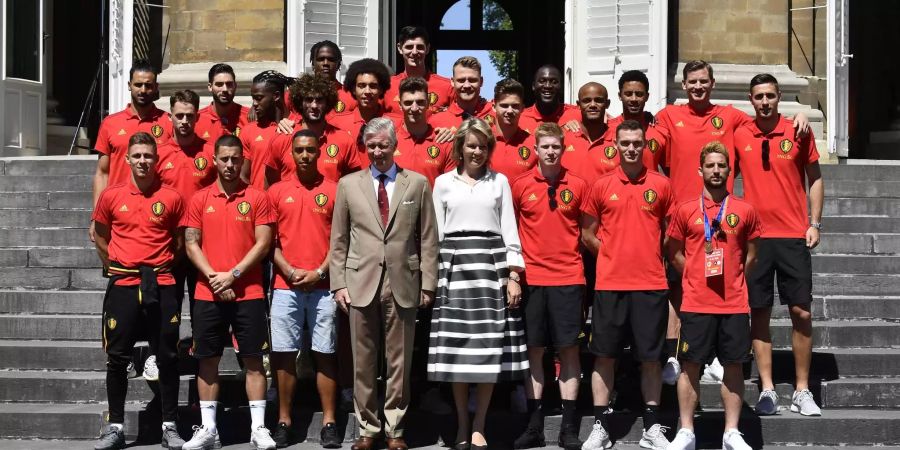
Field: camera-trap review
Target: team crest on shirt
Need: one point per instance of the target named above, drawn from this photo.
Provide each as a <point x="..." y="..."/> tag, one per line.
<point x="243" y="208"/>
<point x="566" y="196"/>
<point x="732" y="220"/>
<point x="717" y="122"/>
<point x="158" y="209"/>
<point x="786" y="145"/>
<point x="111" y="323"/>
<point x="200" y="163"/>
<point x="432" y="98"/>
<point x="321" y="199"/>
<point x="650" y="196"/>
<point x="332" y="150"/>
<point x="524" y="152"/>
<point x="434" y="151"/>
<point x="610" y="152"/>
<point x="156" y="131"/>
<point x="489" y="119"/>
<point x="339" y="106"/>
<point x="653" y="145"/>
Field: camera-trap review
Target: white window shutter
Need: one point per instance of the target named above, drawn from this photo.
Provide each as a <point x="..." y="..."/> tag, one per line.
<point x="351" y="24"/>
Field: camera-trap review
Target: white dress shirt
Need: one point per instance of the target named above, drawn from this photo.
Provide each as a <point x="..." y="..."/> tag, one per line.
<point x="388" y="182"/>
<point x="485" y="206"/>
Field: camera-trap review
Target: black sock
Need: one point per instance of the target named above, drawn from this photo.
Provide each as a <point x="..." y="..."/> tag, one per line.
<point x="601" y="416"/>
<point x="535" y="413"/>
<point x="568" y="412"/>
<point x="651" y="416"/>
<point x="671" y="347"/>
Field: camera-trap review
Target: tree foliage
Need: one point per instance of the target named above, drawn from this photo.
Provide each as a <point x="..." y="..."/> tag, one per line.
<point x="505" y="61"/>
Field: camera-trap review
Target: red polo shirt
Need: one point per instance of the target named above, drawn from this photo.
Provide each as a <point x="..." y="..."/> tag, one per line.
<point x="142" y="227"/>
<point x="632" y="216"/>
<point x="440" y="93"/>
<point x="256" y="138"/>
<point x="228" y="232"/>
<point x="454" y="115"/>
<point x="531" y="117"/>
<point x="590" y="159"/>
<point x="187" y="169"/>
<point x="726" y="293"/>
<point x="337" y="157"/>
<point x="423" y="155"/>
<point x="550" y="237"/>
<point x="777" y="189"/>
<point x="655" y="150"/>
<point x="210" y="126"/>
<point x="688" y="132"/>
<point x="515" y="156"/>
<point x="115" y="131"/>
<point x="303" y="216"/>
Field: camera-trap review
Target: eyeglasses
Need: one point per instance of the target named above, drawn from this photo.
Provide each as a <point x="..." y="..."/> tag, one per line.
<point x="765" y="151"/>
<point x="551" y="195"/>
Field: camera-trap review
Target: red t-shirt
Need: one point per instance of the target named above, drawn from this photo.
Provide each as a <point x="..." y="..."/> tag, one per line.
<point x="550" y="238"/>
<point x="453" y="116"/>
<point x="303" y="215"/>
<point x="142" y="227"/>
<point x="632" y="216"/>
<point x="688" y="132"/>
<point x="115" y="131"/>
<point x="210" y="126"/>
<point x="187" y="169"/>
<point x="337" y="156"/>
<point x="726" y="293"/>
<point x="776" y="190"/>
<point x="423" y="156"/>
<point x="228" y="232"/>
<point x="531" y="117"/>
<point x="590" y="159"/>
<point x="256" y="138"/>
<point x="655" y="150"/>
<point x="440" y="93"/>
<point x="515" y="156"/>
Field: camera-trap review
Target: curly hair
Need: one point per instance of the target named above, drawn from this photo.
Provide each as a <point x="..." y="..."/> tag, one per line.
<point x="310" y="85"/>
<point x="367" y="66"/>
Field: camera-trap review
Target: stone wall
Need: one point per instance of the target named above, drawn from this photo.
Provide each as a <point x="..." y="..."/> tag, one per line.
<point x="733" y="31"/>
<point x="225" y="30"/>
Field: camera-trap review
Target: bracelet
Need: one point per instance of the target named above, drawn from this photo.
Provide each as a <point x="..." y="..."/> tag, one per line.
<point x="291" y="275"/>
<point x="515" y="280"/>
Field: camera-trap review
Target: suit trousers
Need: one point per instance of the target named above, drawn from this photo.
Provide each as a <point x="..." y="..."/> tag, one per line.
<point x="382" y="327"/>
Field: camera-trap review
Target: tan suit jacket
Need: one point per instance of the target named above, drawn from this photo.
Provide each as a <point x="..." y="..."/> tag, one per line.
<point x="361" y="245"/>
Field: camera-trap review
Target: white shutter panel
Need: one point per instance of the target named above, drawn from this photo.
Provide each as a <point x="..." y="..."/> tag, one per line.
<point x="838" y="83"/>
<point x="351" y="24"/>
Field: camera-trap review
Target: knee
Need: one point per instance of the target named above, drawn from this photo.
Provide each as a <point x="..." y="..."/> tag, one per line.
<point x="801" y="314"/>
<point x="116" y="363"/>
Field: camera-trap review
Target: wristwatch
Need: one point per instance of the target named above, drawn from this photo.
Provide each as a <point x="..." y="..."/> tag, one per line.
<point x="236" y="273"/>
<point x="322" y="274"/>
<point x="816" y="225"/>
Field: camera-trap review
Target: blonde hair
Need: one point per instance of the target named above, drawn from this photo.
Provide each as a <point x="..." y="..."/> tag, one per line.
<point x="548" y="129"/>
<point x="713" y="147"/>
<point x="469" y="62"/>
<point x="472" y="125"/>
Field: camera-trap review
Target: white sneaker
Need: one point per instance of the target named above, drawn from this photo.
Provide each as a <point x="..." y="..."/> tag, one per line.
<point x="655" y="438"/>
<point x="671" y="371"/>
<point x="261" y="439"/>
<point x="684" y="440"/>
<point x="202" y="439"/>
<point x="732" y="440"/>
<point x="599" y="439"/>
<point x="151" y="372"/>
<point x="714" y="372"/>
<point x="803" y="402"/>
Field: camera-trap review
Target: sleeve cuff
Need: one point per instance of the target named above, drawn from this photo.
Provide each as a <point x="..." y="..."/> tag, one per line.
<point x="514" y="259"/>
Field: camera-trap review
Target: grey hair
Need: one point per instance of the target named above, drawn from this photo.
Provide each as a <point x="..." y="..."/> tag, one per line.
<point x="381" y="125"/>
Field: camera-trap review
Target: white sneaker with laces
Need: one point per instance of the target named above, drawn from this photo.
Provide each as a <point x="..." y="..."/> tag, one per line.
<point x="655" y="438"/>
<point x="202" y="439"/>
<point x="261" y="439"/>
<point x="803" y="402"/>
<point x="598" y="440"/>
<point x="714" y="372"/>
<point x="151" y="372"/>
<point x="684" y="440"/>
<point x="671" y="371"/>
<point x="732" y="440"/>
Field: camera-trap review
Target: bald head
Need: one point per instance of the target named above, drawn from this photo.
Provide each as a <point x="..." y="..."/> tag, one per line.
<point x="593" y="99"/>
<point x="547" y="84"/>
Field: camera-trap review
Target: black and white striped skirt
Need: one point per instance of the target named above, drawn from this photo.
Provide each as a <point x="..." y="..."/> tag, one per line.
<point x="474" y="337"/>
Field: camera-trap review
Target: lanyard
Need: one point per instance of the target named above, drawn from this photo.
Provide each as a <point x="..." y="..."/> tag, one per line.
<point x="707" y="229"/>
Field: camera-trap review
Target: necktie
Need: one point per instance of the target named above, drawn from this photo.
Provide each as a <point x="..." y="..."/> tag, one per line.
<point x="383" y="199"/>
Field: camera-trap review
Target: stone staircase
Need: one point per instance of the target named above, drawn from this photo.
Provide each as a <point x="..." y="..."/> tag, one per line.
<point x="52" y="382"/>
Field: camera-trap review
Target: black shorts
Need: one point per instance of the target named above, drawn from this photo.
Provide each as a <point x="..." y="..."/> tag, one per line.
<point x="708" y="336"/>
<point x="552" y="315"/>
<point x="248" y="319"/>
<point x="127" y="320"/>
<point x="637" y="318"/>
<point x="791" y="261"/>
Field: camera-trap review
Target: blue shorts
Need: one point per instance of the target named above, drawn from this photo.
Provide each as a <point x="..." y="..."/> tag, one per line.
<point x="295" y="311"/>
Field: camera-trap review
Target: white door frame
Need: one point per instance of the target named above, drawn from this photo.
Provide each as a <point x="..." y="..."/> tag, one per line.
<point x="24" y="88"/>
<point x="838" y="76"/>
<point x="121" y="38"/>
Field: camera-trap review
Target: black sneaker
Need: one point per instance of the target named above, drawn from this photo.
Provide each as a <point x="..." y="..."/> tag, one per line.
<point x="283" y="435"/>
<point x="112" y="438"/>
<point x="329" y="436"/>
<point x="568" y="438"/>
<point x="531" y="438"/>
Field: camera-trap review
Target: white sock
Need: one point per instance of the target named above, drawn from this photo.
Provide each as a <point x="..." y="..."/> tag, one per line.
<point x="257" y="414"/>
<point x="168" y="424"/>
<point x="731" y="429"/>
<point x="208" y="415"/>
<point x="117" y="426"/>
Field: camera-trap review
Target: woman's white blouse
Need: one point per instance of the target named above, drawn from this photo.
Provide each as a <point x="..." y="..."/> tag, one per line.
<point x="485" y="206"/>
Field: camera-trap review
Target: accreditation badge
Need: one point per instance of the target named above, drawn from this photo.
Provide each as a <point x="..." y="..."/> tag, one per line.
<point x="713" y="263"/>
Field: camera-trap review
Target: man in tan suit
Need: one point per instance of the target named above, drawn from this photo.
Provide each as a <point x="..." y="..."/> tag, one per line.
<point x="384" y="264"/>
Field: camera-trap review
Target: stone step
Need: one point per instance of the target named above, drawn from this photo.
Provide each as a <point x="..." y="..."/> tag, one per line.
<point x="852" y="172"/>
<point x="841" y="333"/>
<point x="861" y="206"/>
<point x="50" y="257"/>
<point x="856" y="264"/>
<point x="42" y="218"/>
<point x="49" y="165"/>
<point x="53" y="183"/>
<point x="48" y="237"/>
<point x="843" y="284"/>
<point x="839" y="307"/>
<point x="862" y="224"/>
<point x="858" y="243"/>
<point x="831" y="364"/>
<point x="76" y="327"/>
<point x="862" y="187"/>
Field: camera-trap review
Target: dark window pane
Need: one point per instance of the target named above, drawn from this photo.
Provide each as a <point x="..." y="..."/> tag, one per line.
<point x="23" y="39"/>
